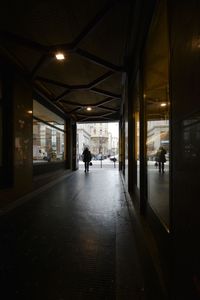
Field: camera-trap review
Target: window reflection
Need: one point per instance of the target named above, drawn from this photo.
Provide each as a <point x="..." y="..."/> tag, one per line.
<point x="137" y="147"/>
<point x="48" y="135"/>
<point x="158" y="165"/>
<point x="157" y="106"/>
<point x="48" y="142"/>
<point x="191" y="139"/>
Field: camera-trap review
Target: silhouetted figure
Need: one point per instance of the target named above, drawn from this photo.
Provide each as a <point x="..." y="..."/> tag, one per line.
<point x="160" y="158"/>
<point x="86" y="158"/>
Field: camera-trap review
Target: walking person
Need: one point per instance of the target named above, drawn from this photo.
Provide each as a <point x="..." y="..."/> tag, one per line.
<point x="161" y="159"/>
<point x="87" y="158"/>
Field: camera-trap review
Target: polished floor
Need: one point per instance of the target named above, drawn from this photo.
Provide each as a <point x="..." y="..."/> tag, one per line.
<point x="73" y="239"/>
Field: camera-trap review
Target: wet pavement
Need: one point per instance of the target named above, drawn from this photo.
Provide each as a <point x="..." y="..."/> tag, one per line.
<point x="73" y="240"/>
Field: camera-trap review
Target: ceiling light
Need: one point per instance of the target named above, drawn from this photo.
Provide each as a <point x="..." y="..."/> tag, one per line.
<point x="60" y="56"/>
<point x="163" y="104"/>
<point x="89" y="108"/>
<point x="29" y="112"/>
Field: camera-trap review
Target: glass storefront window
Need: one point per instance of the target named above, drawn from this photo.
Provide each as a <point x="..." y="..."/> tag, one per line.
<point x="136" y="96"/>
<point x="137" y="146"/>
<point x="48" y="135"/>
<point x="157" y="107"/>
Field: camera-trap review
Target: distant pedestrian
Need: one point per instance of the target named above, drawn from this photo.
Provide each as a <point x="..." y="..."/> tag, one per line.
<point x="161" y="159"/>
<point x="87" y="158"/>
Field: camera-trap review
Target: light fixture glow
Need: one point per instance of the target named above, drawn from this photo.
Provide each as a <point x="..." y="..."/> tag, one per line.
<point x="89" y="108"/>
<point x="163" y="104"/>
<point x="29" y="112"/>
<point x="60" y="56"/>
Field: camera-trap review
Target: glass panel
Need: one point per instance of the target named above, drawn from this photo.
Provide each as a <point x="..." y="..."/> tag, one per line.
<point x="136" y="97"/>
<point x="157" y="106"/>
<point x="48" y="134"/>
<point x="137" y="146"/>
<point x="190" y="140"/>
<point x="48" y="143"/>
<point x="46" y="115"/>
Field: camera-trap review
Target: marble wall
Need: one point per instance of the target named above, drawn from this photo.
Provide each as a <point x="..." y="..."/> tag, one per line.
<point x="21" y="120"/>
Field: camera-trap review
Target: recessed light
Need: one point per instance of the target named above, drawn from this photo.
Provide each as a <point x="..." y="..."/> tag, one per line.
<point x="163" y="104"/>
<point x="89" y="108"/>
<point x="59" y="56"/>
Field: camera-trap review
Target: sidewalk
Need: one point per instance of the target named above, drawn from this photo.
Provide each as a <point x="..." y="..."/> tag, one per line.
<point x="72" y="241"/>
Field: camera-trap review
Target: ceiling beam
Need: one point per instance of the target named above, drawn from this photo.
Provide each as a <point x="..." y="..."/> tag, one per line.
<point x="72" y="103"/>
<point x="21" y="41"/>
<point x="93" y="23"/>
<point x="75" y="87"/>
<point x="75" y="110"/>
<point x="108" y="108"/>
<point x="98" y="61"/>
<point x="87" y="30"/>
<point x="61" y="96"/>
<point x="41" y="62"/>
<point x="15" y="60"/>
<point x="105" y="93"/>
<point x="93" y="117"/>
<point x="106" y="100"/>
<point x="101" y="79"/>
<point x="54" y="82"/>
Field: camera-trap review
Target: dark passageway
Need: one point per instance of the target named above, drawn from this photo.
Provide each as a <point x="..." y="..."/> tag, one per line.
<point x="125" y="230"/>
<point x="72" y="241"/>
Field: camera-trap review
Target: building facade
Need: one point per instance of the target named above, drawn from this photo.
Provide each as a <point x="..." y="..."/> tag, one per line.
<point x="99" y="138"/>
<point x="83" y="137"/>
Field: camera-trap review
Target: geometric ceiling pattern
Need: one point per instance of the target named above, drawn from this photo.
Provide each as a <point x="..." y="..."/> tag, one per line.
<point x="92" y="34"/>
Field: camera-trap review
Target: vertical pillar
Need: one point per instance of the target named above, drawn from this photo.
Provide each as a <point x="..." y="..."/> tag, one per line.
<point x="74" y="144"/>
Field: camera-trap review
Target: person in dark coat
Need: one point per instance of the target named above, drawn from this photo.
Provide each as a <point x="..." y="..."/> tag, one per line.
<point x="160" y="158"/>
<point x="87" y="158"/>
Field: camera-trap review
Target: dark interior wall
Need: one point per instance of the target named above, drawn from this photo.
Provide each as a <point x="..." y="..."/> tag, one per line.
<point x="131" y="140"/>
<point x="141" y="12"/>
<point x="21" y="132"/>
<point x="6" y="119"/>
<point x="184" y="20"/>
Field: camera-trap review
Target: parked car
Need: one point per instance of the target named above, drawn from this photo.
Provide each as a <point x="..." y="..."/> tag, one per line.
<point x="114" y="158"/>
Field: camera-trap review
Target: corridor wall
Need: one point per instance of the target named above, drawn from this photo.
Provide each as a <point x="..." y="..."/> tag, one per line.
<point x="178" y="245"/>
<point x="185" y="91"/>
<point x="20" y="118"/>
<point x="17" y="170"/>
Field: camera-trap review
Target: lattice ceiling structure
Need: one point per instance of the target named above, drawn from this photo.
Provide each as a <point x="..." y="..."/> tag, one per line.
<point x="91" y="34"/>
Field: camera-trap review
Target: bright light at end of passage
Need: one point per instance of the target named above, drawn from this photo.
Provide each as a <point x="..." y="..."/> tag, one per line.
<point x="89" y="108"/>
<point x="60" y="56"/>
<point x="163" y="104"/>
